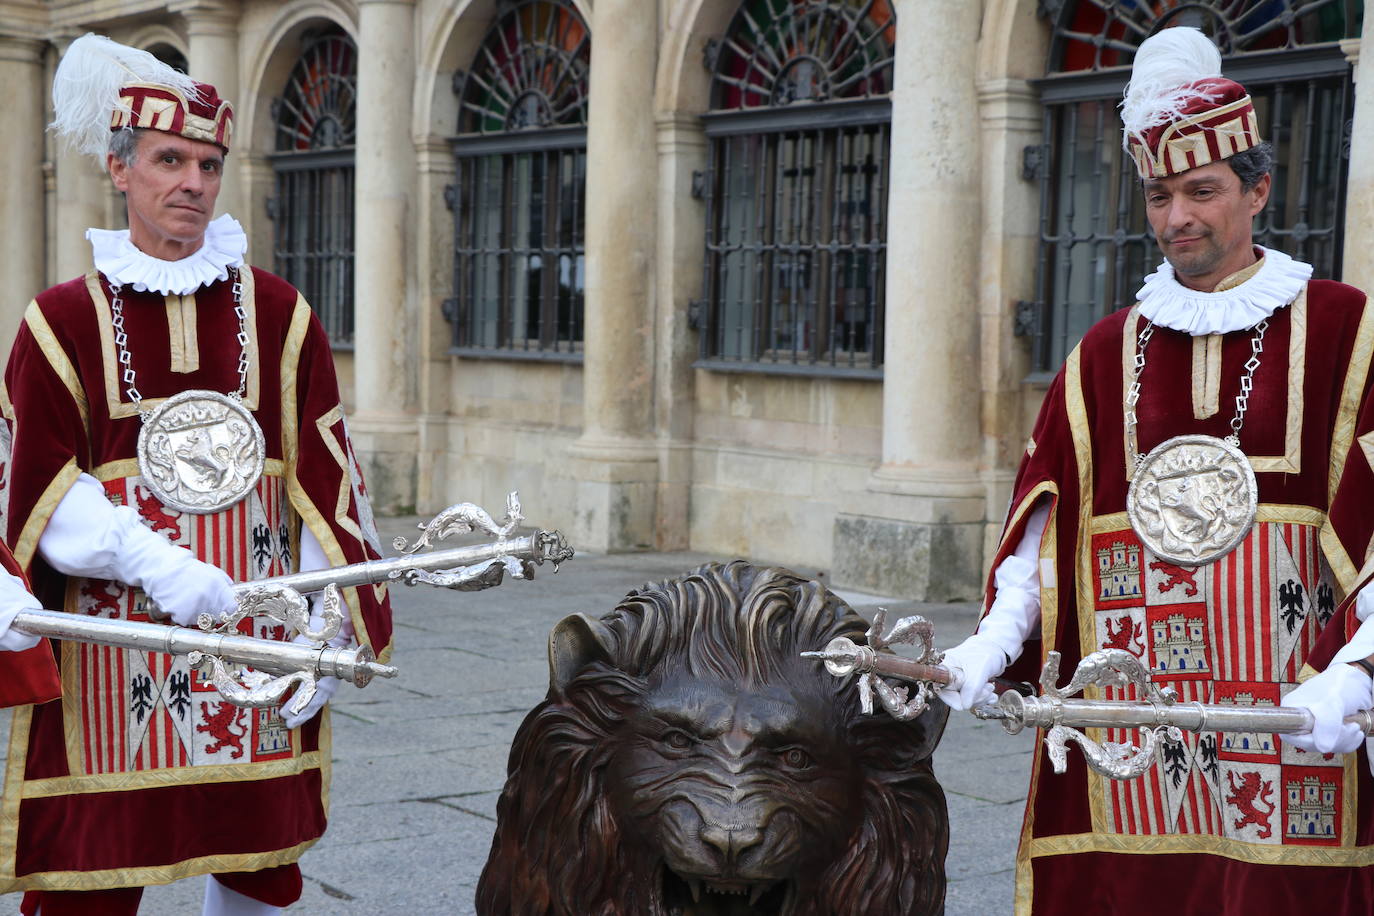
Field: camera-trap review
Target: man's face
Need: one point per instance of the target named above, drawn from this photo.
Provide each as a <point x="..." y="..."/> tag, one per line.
<point x="170" y="190"/>
<point x="1202" y="221"/>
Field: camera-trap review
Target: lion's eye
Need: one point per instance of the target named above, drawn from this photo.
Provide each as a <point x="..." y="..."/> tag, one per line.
<point x="677" y="740"/>
<point x="796" y="758"/>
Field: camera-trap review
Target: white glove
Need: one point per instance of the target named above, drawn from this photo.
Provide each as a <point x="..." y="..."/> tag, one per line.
<point x="13" y="599"/>
<point x="181" y="586"/>
<point x="88" y="536"/>
<point x="1337" y="692"/>
<point x="978" y="659"/>
<point x="312" y="557"/>
<point x="324" y="692"/>
<point x="1014" y="615"/>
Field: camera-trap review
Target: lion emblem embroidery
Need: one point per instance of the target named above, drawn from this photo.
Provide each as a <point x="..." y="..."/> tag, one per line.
<point x="687" y="762"/>
<point x="220" y="726"/>
<point x="1247" y="796"/>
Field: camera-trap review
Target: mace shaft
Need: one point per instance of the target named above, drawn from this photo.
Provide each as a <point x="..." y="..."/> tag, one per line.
<point x="1016" y="712"/>
<point x="358" y="666"/>
<point x="537" y="547"/>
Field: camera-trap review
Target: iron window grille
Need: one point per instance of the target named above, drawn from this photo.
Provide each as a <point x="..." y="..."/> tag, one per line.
<point x="796" y="188"/>
<point x="312" y="206"/>
<point x="1095" y="243"/>
<point x="518" y="202"/>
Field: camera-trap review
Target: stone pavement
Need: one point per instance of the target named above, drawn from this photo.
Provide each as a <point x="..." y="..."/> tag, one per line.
<point x="419" y="761"/>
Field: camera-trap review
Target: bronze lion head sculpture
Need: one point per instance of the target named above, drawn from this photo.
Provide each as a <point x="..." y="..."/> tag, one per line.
<point x="687" y="762"/>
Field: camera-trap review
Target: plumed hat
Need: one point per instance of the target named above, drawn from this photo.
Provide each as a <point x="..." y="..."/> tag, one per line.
<point x="101" y="85"/>
<point x="1179" y="111"/>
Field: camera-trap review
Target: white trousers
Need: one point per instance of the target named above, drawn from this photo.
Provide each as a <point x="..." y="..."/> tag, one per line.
<point x="222" y="901"/>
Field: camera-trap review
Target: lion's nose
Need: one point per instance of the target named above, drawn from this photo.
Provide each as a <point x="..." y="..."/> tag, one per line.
<point x="731" y="840"/>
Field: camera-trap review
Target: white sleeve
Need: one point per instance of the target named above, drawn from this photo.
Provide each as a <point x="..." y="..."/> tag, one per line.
<point x="1361" y="645"/>
<point x="88" y="536"/>
<point x="1015" y="612"/>
<point x="86" y="533"/>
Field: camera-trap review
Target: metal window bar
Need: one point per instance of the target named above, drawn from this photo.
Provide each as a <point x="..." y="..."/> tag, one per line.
<point x="796" y="241"/>
<point x="1095" y="243"/>
<point x="519" y="256"/>
<point x="313" y="235"/>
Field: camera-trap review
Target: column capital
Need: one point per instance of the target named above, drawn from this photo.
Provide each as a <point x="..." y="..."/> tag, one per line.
<point x="22" y="50"/>
<point x="208" y="16"/>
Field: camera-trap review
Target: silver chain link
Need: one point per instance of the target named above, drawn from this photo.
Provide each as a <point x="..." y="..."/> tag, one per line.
<point x="121" y="340"/>
<point x="1247" y="382"/>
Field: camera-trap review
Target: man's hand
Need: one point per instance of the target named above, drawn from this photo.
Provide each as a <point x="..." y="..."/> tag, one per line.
<point x="1337" y="692"/>
<point x="978" y="659"/>
<point x="181" y="586"/>
<point x="327" y="686"/>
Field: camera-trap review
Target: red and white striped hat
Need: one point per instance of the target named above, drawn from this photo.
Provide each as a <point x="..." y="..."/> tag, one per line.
<point x="101" y="86"/>
<point x="1179" y="112"/>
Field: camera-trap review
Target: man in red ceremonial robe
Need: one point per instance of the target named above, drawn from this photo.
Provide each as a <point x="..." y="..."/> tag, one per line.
<point x="141" y="774"/>
<point x="1224" y="823"/>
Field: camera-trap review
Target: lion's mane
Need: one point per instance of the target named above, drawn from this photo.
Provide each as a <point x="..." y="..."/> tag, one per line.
<point x="559" y="849"/>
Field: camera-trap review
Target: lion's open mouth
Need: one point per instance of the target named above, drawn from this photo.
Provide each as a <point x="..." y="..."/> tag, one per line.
<point x="696" y="896"/>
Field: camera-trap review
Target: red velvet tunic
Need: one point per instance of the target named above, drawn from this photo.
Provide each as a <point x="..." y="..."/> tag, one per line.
<point x="1228" y="824"/>
<point x="140" y="775"/>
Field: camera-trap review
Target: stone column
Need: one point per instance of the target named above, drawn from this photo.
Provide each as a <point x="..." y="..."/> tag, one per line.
<point x="616" y="462"/>
<point x="384" y="188"/>
<point x="212" y="27"/>
<point x="24" y="229"/>
<point x="917" y="530"/>
<point x="1357" y="261"/>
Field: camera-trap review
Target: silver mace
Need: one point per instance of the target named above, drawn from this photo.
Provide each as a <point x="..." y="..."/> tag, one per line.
<point x="298" y="666"/>
<point x="1157" y="713"/>
<point x="281" y="598"/>
<point x="844" y="657"/>
<point x="470" y="568"/>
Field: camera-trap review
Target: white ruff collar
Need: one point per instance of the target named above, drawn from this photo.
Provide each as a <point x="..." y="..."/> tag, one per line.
<point x="1167" y="302"/>
<point x="123" y="264"/>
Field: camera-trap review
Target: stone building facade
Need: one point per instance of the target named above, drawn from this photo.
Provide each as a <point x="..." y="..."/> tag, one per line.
<point x="783" y="279"/>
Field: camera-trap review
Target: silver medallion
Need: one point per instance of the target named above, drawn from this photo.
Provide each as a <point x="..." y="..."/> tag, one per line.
<point x="201" y="451"/>
<point x="1193" y="499"/>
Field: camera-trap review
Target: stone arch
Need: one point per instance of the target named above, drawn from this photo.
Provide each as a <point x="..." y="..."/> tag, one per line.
<point x="683" y="84"/>
<point x="1014" y="43"/>
<point x="273" y="59"/>
<point x="153" y="34"/>
<point x="266" y="69"/>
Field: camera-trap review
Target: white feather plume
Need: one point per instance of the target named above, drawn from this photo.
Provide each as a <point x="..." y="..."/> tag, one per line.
<point x="1165" y="63"/>
<point x="85" y="89"/>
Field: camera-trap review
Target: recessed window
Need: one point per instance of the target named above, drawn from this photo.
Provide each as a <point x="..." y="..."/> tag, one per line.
<point x="796" y="188"/>
<point x="1095" y="243"/>
<point x="519" y="199"/>
<point x="312" y="205"/>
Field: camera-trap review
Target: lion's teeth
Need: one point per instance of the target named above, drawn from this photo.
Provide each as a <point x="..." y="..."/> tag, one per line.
<point x="695" y="885"/>
<point x="756" y="893"/>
